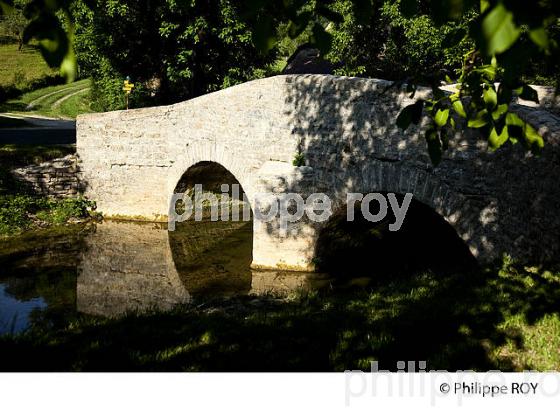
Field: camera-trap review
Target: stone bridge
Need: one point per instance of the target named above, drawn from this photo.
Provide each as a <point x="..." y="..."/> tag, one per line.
<point x="344" y="130"/>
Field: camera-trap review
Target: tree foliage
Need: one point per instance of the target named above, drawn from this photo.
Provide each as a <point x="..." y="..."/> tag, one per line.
<point x="392" y="46"/>
<point x="172" y="49"/>
<point x="507" y="40"/>
<point x="504" y="40"/>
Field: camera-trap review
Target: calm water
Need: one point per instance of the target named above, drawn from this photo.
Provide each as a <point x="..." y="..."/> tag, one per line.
<point x="113" y="268"/>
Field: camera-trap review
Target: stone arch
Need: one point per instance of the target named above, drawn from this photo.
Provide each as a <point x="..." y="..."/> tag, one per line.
<point x="427" y="189"/>
<point x="209" y="152"/>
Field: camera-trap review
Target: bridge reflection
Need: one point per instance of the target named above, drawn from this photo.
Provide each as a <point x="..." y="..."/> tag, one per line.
<point x="136" y="267"/>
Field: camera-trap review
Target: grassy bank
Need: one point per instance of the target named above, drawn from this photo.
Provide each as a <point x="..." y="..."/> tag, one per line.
<point x="23" y="71"/>
<point x="20" y="213"/>
<point x="18" y="68"/>
<point x="60" y="101"/>
<point x="505" y="319"/>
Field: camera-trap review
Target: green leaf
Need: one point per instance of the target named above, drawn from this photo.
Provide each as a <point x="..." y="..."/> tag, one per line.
<point x="434" y="146"/>
<point x="514" y="120"/>
<point x="490" y="98"/>
<point x="499" y="111"/>
<point x="488" y="71"/>
<point x="499" y="30"/>
<point x="520" y="129"/>
<point x="410" y="114"/>
<point x="539" y="36"/>
<point x="533" y="140"/>
<point x="495" y="141"/>
<point x="441" y="117"/>
<point x="54" y="43"/>
<point x="459" y="109"/>
<point x="479" y="121"/>
<point x="484" y="4"/>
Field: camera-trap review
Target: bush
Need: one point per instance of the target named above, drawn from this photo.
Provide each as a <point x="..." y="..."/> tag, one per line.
<point x="60" y="212"/>
<point x="14" y="212"/>
<point x="19" y="212"/>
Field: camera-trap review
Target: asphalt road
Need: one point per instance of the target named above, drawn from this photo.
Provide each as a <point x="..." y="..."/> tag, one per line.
<point x="41" y="131"/>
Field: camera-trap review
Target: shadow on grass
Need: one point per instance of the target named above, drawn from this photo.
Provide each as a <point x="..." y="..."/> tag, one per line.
<point x="453" y="322"/>
<point x="12" y="106"/>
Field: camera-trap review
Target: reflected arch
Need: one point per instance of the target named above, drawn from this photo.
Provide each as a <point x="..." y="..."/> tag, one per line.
<point x="213" y="257"/>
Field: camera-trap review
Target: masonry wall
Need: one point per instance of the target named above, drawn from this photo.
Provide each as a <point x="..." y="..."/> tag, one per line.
<point x="59" y="178"/>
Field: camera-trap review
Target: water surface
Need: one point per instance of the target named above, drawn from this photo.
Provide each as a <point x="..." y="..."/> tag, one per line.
<point x="113" y="268"/>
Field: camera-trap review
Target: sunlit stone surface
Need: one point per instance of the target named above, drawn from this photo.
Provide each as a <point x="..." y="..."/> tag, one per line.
<point x="346" y="133"/>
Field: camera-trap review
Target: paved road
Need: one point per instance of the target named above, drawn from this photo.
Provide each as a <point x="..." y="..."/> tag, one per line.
<point x="41" y="131"/>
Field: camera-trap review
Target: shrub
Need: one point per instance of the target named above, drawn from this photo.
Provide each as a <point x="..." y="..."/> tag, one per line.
<point x="18" y="212"/>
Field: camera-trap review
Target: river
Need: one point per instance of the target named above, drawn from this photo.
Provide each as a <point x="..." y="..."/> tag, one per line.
<point x="109" y="269"/>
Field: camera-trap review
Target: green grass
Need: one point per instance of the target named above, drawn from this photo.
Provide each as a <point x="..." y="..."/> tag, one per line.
<point x="23" y="76"/>
<point x="76" y="105"/>
<point x="504" y="319"/>
<point x="18" y="68"/>
<point x="62" y="101"/>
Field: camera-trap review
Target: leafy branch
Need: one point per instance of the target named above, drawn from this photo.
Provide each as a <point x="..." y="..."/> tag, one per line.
<point x="479" y="103"/>
<point x="49" y="23"/>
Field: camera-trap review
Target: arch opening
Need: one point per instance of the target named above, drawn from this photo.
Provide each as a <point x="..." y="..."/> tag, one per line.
<point x="360" y="248"/>
<point x="213" y="257"/>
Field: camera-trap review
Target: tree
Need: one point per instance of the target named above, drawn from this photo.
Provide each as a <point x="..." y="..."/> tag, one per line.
<point x="14" y="23"/>
<point x="392" y="46"/>
<point x="172" y="50"/>
<point x="506" y="40"/>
